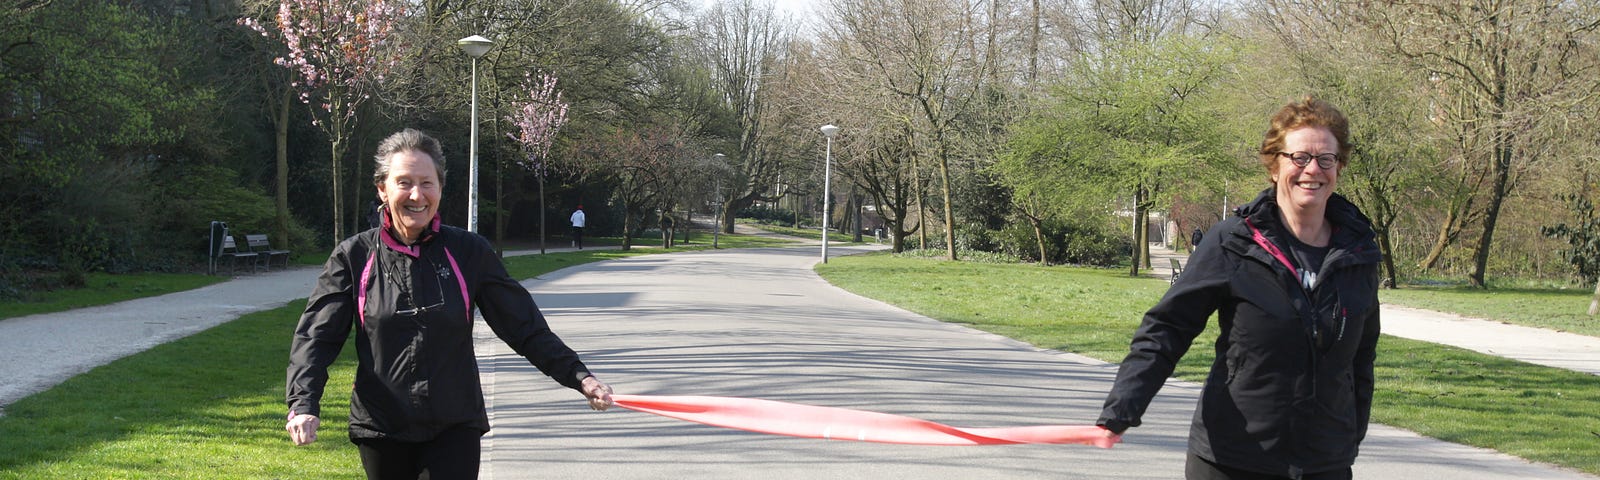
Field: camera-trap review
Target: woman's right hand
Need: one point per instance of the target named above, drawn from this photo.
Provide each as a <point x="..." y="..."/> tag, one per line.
<point x="302" y="428"/>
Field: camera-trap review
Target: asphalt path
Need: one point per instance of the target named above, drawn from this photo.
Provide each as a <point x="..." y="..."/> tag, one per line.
<point x="760" y="323"/>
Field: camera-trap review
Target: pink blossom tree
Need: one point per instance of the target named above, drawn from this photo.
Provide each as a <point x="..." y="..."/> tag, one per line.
<point x="538" y="119"/>
<point x="338" y="51"/>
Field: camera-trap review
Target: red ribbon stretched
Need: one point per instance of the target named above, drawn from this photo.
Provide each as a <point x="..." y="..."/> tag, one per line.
<point x="809" y="421"/>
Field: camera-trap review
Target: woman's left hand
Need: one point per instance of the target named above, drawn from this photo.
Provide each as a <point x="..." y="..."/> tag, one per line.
<point x="598" y="392"/>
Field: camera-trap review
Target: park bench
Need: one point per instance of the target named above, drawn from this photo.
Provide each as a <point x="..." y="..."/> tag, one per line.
<point x="260" y="246"/>
<point x="1177" y="268"/>
<point x="231" y="252"/>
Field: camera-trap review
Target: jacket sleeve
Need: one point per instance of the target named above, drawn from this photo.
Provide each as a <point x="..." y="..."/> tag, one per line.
<point x="1165" y="334"/>
<point x="1366" y="357"/>
<point x="321" y="333"/>
<point x="509" y="310"/>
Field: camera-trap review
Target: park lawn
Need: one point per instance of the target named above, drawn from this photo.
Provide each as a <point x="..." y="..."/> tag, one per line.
<point x="1538" y="413"/>
<point x="810" y="233"/>
<point x="206" y="406"/>
<point x="1565" y="310"/>
<point x="105" y="288"/>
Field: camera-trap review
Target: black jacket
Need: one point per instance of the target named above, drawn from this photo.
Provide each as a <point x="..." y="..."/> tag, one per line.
<point x="1291" y="388"/>
<point x="411" y="308"/>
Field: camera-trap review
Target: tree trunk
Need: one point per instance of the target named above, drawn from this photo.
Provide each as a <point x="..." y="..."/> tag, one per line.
<point x="1594" y="305"/>
<point x="855" y="209"/>
<point x="1038" y="236"/>
<point x="338" y="191"/>
<point x="1388" y="260"/>
<point x="541" y="211"/>
<point x="627" y="228"/>
<point x="282" y="189"/>
<point x="949" y="211"/>
<point x="1480" y="259"/>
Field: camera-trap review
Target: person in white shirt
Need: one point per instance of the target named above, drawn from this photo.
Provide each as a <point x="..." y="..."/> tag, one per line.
<point x="578" y="220"/>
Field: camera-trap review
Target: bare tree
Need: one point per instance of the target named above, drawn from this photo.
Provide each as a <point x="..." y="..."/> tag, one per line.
<point x="931" y="52"/>
<point x="1499" y="67"/>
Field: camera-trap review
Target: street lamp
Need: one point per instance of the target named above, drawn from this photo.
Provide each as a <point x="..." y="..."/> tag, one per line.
<point x="827" y="176"/>
<point x="716" y="203"/>
<point x="475" y="46"/>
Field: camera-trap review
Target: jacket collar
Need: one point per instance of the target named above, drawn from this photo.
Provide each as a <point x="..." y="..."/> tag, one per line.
<point x="392" y="241"/>
<point x="1263" y="225"/>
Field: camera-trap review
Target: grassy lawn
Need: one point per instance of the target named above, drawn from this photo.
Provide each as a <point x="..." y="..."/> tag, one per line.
<point x="1565" y="310"/>
<point x="206" y="406"/>
<point x="1539" y="413"/>
<point x="105" y="288"/>
<point x="810" y="233"/>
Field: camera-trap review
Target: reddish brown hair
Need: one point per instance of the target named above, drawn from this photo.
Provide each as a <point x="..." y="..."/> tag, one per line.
<point x="1308" y="112"/>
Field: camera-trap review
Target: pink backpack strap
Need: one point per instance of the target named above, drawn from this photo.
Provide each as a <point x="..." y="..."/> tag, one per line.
<point x="1270" y="247"/>
<point x="361" y="294"/>
<point x="461" y="281"/>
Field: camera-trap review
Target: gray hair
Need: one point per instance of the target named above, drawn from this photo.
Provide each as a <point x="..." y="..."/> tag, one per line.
<point x="405" y="140"/>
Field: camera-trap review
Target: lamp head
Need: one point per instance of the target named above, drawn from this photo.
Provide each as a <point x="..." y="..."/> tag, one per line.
<point x="829" y="130"/>
<point x="475" y="45"/>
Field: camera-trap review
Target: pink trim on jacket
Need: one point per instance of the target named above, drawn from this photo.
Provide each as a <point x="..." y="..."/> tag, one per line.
<point x="361" y="295"/>
<point x="1271" y="248"/>
<point x="461" y="281"/>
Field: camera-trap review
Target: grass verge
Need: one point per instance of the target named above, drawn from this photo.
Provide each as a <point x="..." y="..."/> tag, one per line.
<point x="1565" y="310"/>
<point x="105" y="288"/>
<point x="206" y="406"/>
<point x="801" y="232"/>
<point x="1534" y="412"/>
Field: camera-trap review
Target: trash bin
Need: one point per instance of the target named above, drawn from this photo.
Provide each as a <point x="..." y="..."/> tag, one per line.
<point x="219" y="231"/>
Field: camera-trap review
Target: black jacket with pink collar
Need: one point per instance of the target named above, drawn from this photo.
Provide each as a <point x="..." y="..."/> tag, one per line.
<point x="411" y="308"/>
<point x="1290" y="391"/>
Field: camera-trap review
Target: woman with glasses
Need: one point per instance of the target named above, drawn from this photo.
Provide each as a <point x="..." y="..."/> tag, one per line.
<point x="408" y="290"/>
<point x="1293" y="279"/>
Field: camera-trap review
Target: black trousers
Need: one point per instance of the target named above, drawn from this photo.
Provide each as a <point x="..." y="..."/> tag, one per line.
<point x="1196" y="468"/>
<point x="577" y="237"/>
<point x="453" y="454"/>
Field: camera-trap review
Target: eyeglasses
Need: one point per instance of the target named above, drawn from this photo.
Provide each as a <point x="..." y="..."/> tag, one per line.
<point x="1326" y="160"/>
<point x="415" y="310"/>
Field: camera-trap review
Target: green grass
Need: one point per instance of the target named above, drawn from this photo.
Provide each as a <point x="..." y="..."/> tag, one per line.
<point x="206" y="406"/>
<point x="1553" y="308"/>
<point x="810" y="233"/>
<point x="1538" y="413"/>
<point x="105" y="288"/>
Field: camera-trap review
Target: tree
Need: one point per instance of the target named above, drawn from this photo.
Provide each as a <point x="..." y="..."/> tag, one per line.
<point x="1127" y="124"/>
<point x="1499" y="69"/>
<point x="744" y="45"/>
<point x="923" y="51"/>
<point x="338" y="51"/>
<point x="538" y="119"/>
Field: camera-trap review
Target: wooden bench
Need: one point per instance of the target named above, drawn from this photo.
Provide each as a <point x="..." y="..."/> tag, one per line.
<point x="1177" y="268"/>
<point x="259" y="245"/>
<point x="231" y="252"/>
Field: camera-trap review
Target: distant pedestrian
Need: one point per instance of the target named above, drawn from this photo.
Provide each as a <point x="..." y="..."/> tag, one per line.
<point x="407" y="292"/>
<point x="1293" y="279"/>
<point x="1194" y="239"/>
<point x="374" y="214"/>
<point x="578" y="221"/>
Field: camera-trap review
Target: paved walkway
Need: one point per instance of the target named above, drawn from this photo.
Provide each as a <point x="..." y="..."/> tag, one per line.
<point x="720" y="323"/>
<point x="759" y="323"/>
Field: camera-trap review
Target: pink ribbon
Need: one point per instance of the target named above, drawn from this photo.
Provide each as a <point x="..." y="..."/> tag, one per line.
<point x="809" y="421"/>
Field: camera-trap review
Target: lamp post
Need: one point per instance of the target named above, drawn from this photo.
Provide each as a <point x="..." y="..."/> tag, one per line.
<point x="827" y="177"/>
<point x="475" y="46"/>
<point x="716" y="203"/>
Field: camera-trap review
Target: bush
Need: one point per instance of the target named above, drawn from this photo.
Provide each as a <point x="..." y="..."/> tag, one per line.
<point x="1065" y="244"/>
<point x="772" y="215"/>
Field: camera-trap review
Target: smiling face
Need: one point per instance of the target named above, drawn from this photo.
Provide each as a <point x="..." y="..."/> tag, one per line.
<point x="1306" y="189"/>
<point x="411" y="191"/>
